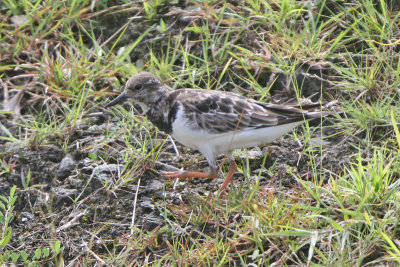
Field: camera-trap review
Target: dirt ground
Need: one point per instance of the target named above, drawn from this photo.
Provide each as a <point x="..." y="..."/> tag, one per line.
<point x="75" y="194"/>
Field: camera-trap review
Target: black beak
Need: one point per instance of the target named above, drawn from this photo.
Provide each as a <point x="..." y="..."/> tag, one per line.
<point x="119" y="99"/>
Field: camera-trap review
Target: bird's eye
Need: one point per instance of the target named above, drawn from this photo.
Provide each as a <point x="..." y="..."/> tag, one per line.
<point x="138" y="86"/>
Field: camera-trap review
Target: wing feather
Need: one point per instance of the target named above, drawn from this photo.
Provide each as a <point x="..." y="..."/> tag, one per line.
<point x="221" y="112"/>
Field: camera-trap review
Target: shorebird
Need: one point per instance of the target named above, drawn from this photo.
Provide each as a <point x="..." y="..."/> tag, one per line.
<point x="213" y="122"/>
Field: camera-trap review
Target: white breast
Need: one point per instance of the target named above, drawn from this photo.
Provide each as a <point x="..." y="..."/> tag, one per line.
<point x="183" y="131"/>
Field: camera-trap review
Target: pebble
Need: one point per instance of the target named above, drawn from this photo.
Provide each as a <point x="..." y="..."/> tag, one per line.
<point x="106" y="172"/>
<point x="64" y="195"/>
<point x="150" y="224"/>
<point x="67" y="165"/>
<point x="19" y="19"/>
<point x="147" y="204"/>
<point x="156" y="185"/>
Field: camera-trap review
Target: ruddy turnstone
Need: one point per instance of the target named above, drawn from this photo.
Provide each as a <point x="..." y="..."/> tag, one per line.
<point x="213" y="122"/>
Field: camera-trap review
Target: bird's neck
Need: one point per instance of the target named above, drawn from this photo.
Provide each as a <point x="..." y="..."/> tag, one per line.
<point x="158" y="103"/>
<point x="158" y="113"/>
<point x="153" y="100"/>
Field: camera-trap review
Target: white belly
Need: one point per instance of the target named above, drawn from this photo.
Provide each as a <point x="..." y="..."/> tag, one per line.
<point x="223" y="143"/>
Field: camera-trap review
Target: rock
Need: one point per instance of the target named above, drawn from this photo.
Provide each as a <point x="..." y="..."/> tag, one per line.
<point x="97" y="129"/>
<point x="76" y="183"/>
<point x="255" y="153"/>
<point x="115" y="232"/>
<point x="156" y="185"/>
<point x="317" y="141"/>
<point x="52" y="153"/>
<point x="64" y="195"/>
<point x="87" y="165"/>
<point x="260" y="170"/>
<point x="67" y="165"/>
<point x="28" y="220"/>
<point x="253" y="179"/>
<point x="147" y="204"/>
<point x="19" y="19"/>
<point x="26" y="216"/>
<point x="105" y="172"/>
<point x="164" y="166"/>
<point x="150" y="224"/>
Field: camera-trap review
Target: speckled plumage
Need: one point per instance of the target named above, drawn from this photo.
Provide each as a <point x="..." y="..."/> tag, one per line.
<point x="213" y="122"/>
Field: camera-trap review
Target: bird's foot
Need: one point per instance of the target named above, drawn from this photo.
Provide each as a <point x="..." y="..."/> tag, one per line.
<point x="181" y="174"/>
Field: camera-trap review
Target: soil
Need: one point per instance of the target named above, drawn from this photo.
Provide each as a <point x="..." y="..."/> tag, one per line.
<point x="78" y="198"/>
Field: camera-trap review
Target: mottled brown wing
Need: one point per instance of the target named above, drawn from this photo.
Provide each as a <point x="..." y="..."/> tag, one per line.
<point x="220" y="112"/>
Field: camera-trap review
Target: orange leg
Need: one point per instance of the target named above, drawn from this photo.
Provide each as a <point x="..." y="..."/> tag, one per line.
<point x="231" y="171"/>
<point x="189" y="174"/>
<point x="212" y="174"/>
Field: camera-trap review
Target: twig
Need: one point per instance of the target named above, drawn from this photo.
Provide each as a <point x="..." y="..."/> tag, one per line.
<point x="95" y="255"/>
<point x="174" y="146"/>
<point x="134" y="207"/>
<point x="72" y="222"/>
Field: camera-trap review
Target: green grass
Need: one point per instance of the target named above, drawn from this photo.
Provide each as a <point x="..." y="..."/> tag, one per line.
<point x="336" y="203"/>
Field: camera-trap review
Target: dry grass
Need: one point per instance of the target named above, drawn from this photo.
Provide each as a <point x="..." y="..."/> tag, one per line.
<point x="323" y="196"/>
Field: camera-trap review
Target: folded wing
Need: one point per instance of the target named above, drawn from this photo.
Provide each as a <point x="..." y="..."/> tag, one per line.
<point x="222" y="112"/>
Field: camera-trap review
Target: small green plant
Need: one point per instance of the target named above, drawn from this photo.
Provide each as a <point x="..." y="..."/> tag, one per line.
<point x="6" y="214"/>
<point x="152" y="8"/>
<point x="5" y="167"/>
<point x="26" y="180"/>
<point x="39" y="255"/>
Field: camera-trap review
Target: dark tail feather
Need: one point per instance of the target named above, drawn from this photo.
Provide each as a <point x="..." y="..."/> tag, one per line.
<point x="317" y="114"/>
<point x="320" y="113"/>
<point x="309" y="106"/>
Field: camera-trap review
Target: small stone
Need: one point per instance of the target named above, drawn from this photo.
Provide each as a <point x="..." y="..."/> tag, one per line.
<point x="87" y="165"/>
<point x="317" y="141"/>
<point x="255" y="178"/>
<point x="164" y="166"/>
<point x="28" y="220"/>
<point x="147" y="204"/>
<point x="115" y="232"/>
<point x="176" y="201"/>
<point x="25" y="216"/>
<point x="76" y="183"/>
<point x="64" y="195"/>
<point x="156" y="185"/>
<point x="202" y="193"/>
<point x="67" y="165"/>
<point x="19" y="19"/>
<point x="52" y="153"/>
<point x="106" y="172"/>
<point x="97" y="128"/>
<point x="150" y="224"/>
<point x="254" y="154"/>
<point x="263" y="171"/>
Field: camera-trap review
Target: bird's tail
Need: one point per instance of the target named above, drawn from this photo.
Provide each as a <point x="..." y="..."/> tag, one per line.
<point x="317" y="110"/>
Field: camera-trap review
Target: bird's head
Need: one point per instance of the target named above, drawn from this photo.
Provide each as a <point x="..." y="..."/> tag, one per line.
<point x="143" y="88"/>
